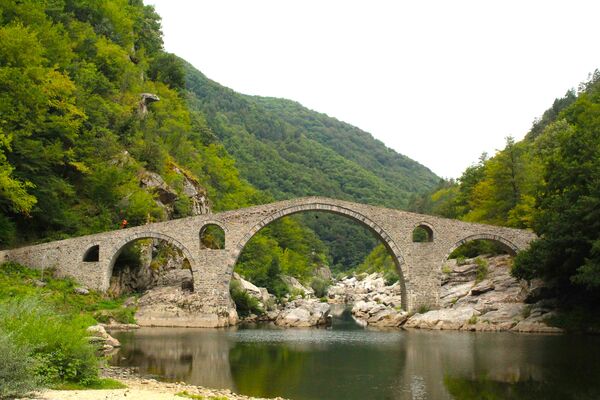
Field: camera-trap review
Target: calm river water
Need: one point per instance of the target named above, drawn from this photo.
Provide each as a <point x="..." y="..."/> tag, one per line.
<point x="348" y="362"/>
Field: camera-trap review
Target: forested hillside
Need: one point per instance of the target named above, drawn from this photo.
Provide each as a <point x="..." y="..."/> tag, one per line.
<point x="289" y="151"/>
<point x="74" y="137"/>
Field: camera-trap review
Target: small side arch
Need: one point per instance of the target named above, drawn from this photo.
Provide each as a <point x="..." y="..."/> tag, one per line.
<point x="92" y="254"/>
<point x="423" y="232"/>
<point x="213" y="236"/>
<point x="509" y="246"/>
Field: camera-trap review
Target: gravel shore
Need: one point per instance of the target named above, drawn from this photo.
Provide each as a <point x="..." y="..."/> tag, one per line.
<point x="140" y="388"/>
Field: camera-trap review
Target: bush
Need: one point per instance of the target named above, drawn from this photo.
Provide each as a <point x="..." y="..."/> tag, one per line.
<point x="482" y="269"/>
<point x="320" y="286"/>
<point x="244" y="303"/>
<point x="423" y="309"/>
<point x="57" y="343"/>
<point x="16" y="369"/>
<point x="390" y="277"/>
<point x="123" y="315"/>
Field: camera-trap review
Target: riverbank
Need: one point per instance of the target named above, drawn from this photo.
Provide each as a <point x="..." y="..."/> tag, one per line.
<point x="141" y="388"/>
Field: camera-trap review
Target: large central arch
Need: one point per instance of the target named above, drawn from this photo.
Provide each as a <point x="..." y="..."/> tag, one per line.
<point x="379" y="232"/>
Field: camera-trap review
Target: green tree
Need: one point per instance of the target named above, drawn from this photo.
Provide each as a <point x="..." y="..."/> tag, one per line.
<point x="567" y="255"/>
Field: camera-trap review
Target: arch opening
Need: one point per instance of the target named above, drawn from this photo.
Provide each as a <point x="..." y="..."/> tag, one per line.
<point x="92" y="254"/>
<point x="147" y="262"/>
<point x="251" y="249"/>
<point x="212" y="237"/>
<point x="422" y="234"/>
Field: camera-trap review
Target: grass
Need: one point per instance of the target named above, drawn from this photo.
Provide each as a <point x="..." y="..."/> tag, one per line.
<point x="100" y="384"/>
<point x="17" y="281"/>
<point x="446" y="269"/>
<point x="472" y="320"/>
<point x="423" y="309"/>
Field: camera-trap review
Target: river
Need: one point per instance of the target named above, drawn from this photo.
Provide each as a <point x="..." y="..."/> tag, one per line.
<point x="348" y="362"/>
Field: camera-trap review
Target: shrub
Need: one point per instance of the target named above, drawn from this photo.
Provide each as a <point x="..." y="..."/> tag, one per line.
<point x="390" y="277"/>
<point x="472" y="320"/>
<point x="423" y="309"/>
<point x="123" y="315"/>
<point x="16" y="369"/>
<point x="244" y="303"/>
<point x="446" y="269"/>
<point x="320" y="286"/>
<point x="57" y="343"/>
<point x="361" y="276"/>
<point x="482" y="269"/>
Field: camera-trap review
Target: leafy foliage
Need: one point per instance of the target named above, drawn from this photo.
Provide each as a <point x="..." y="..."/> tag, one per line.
<point x="380" y="260"/>
<point x="17" y="377"/>
<point x="244" y="303"/>
<point x="72" y="138"/>
<point x="567" y="216"/>
<point x="58" y="344"/>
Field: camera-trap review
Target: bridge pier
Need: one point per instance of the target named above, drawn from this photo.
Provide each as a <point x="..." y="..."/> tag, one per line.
<point x="212" y="276"/>
<point x="423" y="268"/>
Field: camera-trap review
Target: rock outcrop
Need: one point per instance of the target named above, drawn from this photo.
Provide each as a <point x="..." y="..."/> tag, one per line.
<point x="168" y="195"/>
<point x="481" y="295"/>
<point x="378" y="314"/>
<point x="304" y="313"/>
<point x="173" y="306"/>
<point x="100" y="337"/>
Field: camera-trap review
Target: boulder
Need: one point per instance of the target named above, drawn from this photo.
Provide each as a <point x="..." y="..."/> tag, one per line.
<point x="98" y="335"/>
<point x="304" y="313"/>
<point x="172" y="306"/>
<point x="377" y="314"/>
<point x="295" y="285"/>
<point x="442" y="319"/>
<point x="81" y="290"/>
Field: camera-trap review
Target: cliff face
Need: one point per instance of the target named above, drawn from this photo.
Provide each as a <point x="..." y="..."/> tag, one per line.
<point x="184" y="189"/>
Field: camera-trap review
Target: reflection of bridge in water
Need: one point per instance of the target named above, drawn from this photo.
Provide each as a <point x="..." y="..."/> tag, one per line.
<point x="90" y="259"/>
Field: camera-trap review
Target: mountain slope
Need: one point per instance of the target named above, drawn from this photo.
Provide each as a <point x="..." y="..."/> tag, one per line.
<point x="288" y="150"/>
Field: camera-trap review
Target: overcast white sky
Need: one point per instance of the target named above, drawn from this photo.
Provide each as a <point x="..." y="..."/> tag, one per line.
<point x="439" y="81"/>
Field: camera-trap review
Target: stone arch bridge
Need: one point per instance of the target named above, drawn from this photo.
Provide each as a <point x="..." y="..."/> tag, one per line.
<point x="419" y="263"/>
